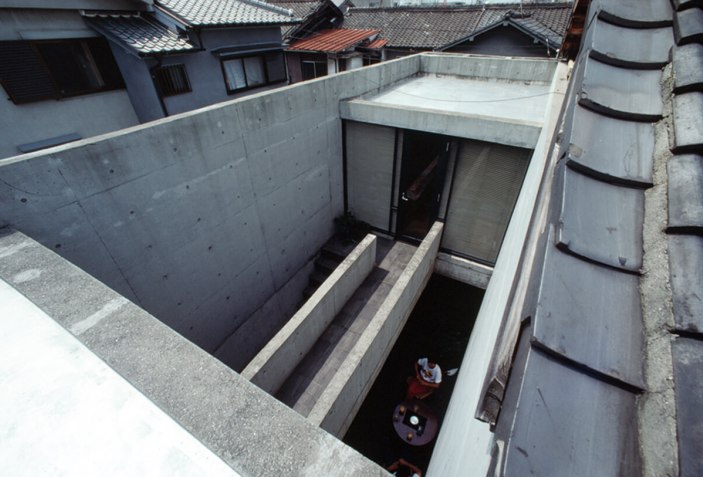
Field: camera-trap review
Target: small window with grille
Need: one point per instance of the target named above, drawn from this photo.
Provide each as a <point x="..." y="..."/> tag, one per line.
<point x="171" y="80"/>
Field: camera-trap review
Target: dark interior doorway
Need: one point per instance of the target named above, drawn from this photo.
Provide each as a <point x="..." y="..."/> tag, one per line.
<point x="422" y="173"/>
<point x="439" y="327"/>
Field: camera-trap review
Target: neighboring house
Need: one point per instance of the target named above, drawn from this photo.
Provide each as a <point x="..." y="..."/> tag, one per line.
<point x="59" y="77"/>
<point x="64" y="81"/>
<point x="507" y="30"/>
<point x="333" y="51"/>
<point x="186" y="55"/>
<point x="317" y="15"/>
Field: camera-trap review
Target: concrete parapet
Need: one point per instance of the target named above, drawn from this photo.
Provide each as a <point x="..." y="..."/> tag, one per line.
<point x="490" y="67"/>
<point x="463" y="270"/>
<point x="340" y="401"/>
<point x="273" y="364"/>
<point x="470" y="126"/>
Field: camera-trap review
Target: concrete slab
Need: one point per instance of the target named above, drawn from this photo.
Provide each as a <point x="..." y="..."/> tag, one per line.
<point x="459" y="106"/>
<point x="248" y="429"/>
<point x="334" y="345"/>
<point x="61" y="403"/>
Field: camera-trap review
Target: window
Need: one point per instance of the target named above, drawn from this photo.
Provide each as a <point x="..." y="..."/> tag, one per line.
<point x="38" y="70"/>
<point x="253" y="71"/>
<point x="313" y="69"/>
<point x="371" y="60"/>
<point x="171" y="80"/>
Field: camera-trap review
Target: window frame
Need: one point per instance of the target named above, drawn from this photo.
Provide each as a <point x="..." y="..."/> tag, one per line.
<point x="180" y="68"/>
<point x="53" y="89"/>
<point x="262" y="57"/>
<point x="315" y="64"/>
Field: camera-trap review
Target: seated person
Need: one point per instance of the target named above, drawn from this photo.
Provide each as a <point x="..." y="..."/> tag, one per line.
<point x="428" y="376"/>
<point x="403" y="468"/>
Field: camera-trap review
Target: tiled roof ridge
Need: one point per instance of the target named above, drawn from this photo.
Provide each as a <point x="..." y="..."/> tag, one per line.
<point x="182" y="16"/>
<point x="463" y="8"/>
<point x="515" y="17"/>
<point x="632" y="135"/>
<point x="111" y="14"/>
<point x="329" y="40"/>
<point x="268" y="6"/>
<point x="139" y="33"/>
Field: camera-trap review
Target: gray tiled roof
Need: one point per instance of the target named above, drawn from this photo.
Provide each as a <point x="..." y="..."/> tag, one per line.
<point x="571" y="424"/>
<point x="687" y="61"/>
<point x="597" y="139"/>
<point x="227" y="12"/>
<point x="625" y="93"/>
<point x="574" y="402"/>
<point x="594" y="229"/>
<point x="688" y="372"/>
<point x="140" y="34"/>
<point x="649" y="47"/>
<point x="300" y="9"/>
<point x="688" y="26"/>
<point x="438" y="27"/>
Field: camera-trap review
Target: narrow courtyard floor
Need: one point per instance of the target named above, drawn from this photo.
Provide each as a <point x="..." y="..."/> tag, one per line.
<point x="439" y="327"/>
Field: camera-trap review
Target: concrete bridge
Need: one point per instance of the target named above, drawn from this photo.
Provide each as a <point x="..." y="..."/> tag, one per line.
<point x="323" y="362"/>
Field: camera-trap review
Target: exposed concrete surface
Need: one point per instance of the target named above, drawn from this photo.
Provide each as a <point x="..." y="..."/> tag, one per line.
<point x="519" y="102"/>
<point x="248" y="429"/>
<point x="313" y="374"/>
<point x="464" y="442"/>
<point x="484" y="98"/>
<point x="64" y="411"/>
<point x="240" y="347"/>
<point x="463" y="270"/>
<point x="342" y="397"/>
<point x="657" y="406"/>
<point x="489" y="67"/>
<point x="469" y="126"/>
<point x="202" y="217"/>
<point x="273" y="364"/>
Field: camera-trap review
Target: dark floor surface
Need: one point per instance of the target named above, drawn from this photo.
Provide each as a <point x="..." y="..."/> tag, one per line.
<point x="439" y="327"/>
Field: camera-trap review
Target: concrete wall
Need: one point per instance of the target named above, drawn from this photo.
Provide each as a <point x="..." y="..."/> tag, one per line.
<point x="494" y="68"/>
<point x="340" y="401"/>
<point x="199" y="218"/>
<point x="273" y="364"/>
<point x="463" y="270"/>
<point x="87" y="115"/>
<point x="240" y="347"/>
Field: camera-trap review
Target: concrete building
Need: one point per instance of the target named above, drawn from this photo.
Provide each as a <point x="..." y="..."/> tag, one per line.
<point x="59" y="76"/>
<point x="157" y="247"/>
<point x="210" y="220"/>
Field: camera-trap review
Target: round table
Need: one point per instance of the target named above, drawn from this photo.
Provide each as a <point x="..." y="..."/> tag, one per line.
<point x="415" y="434"/>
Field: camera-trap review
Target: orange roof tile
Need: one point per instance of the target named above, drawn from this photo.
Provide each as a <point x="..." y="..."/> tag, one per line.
<point x="379" y="43"/>
<point x="333" y="40"/>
